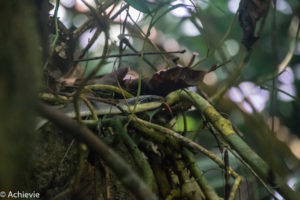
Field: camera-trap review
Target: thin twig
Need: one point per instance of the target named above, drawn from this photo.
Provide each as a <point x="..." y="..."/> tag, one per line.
<point x="56" y="24"/>
<point x="90" y="22"/>
<point x="226" y="175"/>
<point x="126" y="41"/>
<point x="130" y="54"/>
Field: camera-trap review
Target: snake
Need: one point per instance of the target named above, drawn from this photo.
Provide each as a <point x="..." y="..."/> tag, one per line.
<point x="135" y="104"/>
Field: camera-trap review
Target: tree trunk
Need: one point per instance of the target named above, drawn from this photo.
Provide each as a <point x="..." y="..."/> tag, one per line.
<point x="19" y="77"/>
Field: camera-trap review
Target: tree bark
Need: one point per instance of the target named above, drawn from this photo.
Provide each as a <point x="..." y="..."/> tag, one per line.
<point x="19" y="78"/>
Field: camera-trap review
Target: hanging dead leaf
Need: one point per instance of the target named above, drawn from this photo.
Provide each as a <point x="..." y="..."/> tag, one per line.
<point x="250" y="12"/>
<point x="61" y="61"/>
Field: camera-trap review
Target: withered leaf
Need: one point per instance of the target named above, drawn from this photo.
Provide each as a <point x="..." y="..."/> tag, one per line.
<point x="167" y="81"/>
<point x="61" y="61"/>
<point x="250" y="12"/>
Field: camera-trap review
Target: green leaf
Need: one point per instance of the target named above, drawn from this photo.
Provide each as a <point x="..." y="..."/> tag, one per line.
<point x="152" y="113"/>
<point x="139" y="5"/>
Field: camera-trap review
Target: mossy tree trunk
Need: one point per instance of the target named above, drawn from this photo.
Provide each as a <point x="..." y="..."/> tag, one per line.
<point x="19" y="75"/>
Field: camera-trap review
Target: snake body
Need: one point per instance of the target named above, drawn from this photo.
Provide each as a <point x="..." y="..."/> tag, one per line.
<point x="144" y="103"/>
